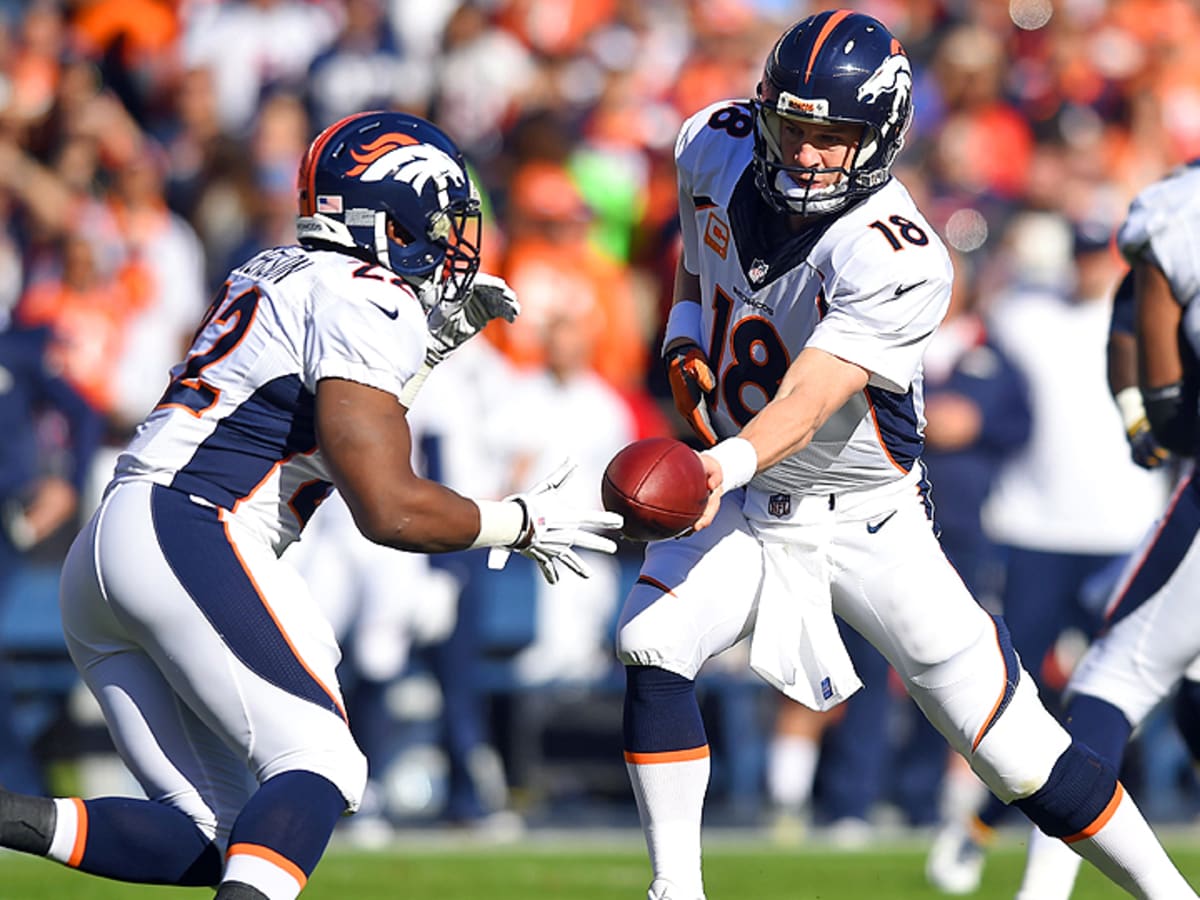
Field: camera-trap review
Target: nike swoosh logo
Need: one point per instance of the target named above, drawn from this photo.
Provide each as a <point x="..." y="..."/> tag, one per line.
<point x="390" y="313"/>
<point x="873" y="527"/>
<point x="902" y="289"/>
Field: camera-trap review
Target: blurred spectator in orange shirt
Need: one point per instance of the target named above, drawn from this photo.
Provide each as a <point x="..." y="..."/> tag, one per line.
<point x="134" y="43"/>
<point x="550" y="262"/>
<point x="32" y="66"/>
<point x="89" y="310"/>
<point x="983" y="144"/>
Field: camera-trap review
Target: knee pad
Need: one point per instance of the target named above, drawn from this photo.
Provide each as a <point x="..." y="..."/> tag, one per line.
<point x="651" y="633"/>
<point x="1079" y="790"/>
<point x="987" y="706"/>
<point x="1017" y="754"/>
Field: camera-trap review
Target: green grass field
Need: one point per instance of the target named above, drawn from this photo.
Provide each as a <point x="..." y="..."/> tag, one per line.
<point x="614" y="870"/>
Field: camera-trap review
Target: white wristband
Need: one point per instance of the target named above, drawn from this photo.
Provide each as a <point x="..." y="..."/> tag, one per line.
<point x="500" y="523"/>
<point x="683" y="321"/>
<point x="1129" y="402"/>
<point x="738" y="459"/>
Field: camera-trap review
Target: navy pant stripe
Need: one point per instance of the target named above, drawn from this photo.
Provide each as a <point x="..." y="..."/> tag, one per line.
<point x="194" y="543"/>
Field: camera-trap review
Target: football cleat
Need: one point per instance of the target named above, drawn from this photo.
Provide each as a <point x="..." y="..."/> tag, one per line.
<point x="661" y="889"/>
<point x="955" y="862"/>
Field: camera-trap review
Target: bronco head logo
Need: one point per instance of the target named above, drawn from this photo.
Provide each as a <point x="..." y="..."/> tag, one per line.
<point x="402" y="157"/>
<point x="894" y="76"/>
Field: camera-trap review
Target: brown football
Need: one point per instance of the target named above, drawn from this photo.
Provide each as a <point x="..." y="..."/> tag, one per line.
<point x="658" y="485"/>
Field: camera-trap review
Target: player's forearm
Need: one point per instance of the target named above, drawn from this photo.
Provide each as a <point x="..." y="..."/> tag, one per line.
<point x="814" y="387"/>
<point x="1158" y="317"/>
<point x="432" y="518"/>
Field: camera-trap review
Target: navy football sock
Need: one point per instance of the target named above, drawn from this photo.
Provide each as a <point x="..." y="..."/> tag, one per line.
<point x="292" y="814"/>
<point x="146" y="842"/>
<point x="1187" y="715"/>
<point x="1080" y="787"/>
<point x="661" y="712"/>
<point x="1099" y="725"/>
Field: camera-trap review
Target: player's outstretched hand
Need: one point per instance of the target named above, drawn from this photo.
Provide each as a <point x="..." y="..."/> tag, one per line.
<point x="1144" y="447"/>
<point x="691" y="378"/>
<point x="490" y="298"/>
<point x="555" y="527"/>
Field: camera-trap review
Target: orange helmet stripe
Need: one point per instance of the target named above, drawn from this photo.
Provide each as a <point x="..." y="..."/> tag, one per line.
<point x="308" y="166"/>
<point x="831" y="23"/>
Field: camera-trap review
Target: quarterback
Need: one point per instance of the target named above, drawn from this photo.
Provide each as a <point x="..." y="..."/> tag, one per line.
<point x="213" y="665"/>
<point x="809" y="287"/>
<point x="1147" y="648"/>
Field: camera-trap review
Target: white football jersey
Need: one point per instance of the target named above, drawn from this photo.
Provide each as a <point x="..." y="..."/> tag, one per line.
<point x="1164" y="221"/>
<point x="869" y="285"/>
<point x="235" y="427"/>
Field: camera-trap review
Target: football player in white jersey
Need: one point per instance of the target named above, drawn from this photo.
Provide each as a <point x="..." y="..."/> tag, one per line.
<point x="1150" y="642"/>
<point x="213" y="665"/>
<point x="808" y="289"/>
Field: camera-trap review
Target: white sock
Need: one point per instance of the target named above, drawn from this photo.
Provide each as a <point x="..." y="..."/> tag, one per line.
<point x="791" y="767"/>
<point x="70" y="831"/>
<point x="1050" y="869"/>
<point x="1126" y="850"/>
<point x="670" y="802"/>
<point x="265" y="870"/>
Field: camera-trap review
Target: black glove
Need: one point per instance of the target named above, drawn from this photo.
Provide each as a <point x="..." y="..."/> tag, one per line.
<point x="1171" y="412"/>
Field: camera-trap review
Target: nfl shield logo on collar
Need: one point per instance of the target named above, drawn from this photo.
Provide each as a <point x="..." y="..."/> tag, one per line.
<point x="758" y="271"/>
<point x="779" y="505"/>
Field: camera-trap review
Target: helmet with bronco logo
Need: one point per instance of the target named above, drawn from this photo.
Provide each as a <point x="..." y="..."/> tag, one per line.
<point x="837" y="67"/>
<point x="392" y="189"/>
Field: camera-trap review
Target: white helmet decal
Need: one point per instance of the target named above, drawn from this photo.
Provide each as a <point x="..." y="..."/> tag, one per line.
<point x="399" y="157"/>
<point x="894" y="76"/>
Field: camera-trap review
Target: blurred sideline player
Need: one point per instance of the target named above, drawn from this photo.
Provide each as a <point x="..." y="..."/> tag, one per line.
<point x="1059" y="536"/>
<point x="1150" y="642"/>
<point x="213" y="665"/>
<point x="568" y="409"/>
<point x="809" y="288"/>
<point x="39" y="491"/>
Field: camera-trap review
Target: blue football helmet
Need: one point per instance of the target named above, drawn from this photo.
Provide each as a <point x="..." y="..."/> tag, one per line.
<point x="392" y="188"/>
<point x="838" y="66"/>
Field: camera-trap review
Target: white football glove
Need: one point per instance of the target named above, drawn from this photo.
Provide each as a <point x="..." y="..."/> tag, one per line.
<point x="490" y="298"/>
<point x="555" y="528"/>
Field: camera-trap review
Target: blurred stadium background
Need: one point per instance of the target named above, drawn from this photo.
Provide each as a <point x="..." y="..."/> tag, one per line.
<point x="146" y="146"/>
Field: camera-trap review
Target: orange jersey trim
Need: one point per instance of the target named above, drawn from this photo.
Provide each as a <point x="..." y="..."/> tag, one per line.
<point x="669" y="756"/>
<point x="1101" y="820"/>
<point x="654" y="583"/>
<point x="268" y="855"/>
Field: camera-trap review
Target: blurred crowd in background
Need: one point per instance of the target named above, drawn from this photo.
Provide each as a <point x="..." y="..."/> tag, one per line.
<point x="147" y="146"/>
